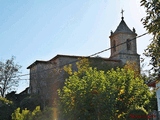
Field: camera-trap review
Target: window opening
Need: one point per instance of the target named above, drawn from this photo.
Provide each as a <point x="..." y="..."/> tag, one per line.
<point x="114" y="45"/>
<point x="128" y="44"/>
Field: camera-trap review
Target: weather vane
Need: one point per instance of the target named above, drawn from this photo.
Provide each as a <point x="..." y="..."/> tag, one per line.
<point x="122" y="11"/>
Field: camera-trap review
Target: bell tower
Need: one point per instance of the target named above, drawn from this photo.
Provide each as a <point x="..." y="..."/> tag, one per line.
<point x="123" y="44"/>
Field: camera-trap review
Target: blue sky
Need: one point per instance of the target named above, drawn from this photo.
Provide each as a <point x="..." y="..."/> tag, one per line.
<point x="40" y="29"/>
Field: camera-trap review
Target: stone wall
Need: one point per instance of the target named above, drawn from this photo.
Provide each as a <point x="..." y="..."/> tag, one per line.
<point x="47" y="77"/>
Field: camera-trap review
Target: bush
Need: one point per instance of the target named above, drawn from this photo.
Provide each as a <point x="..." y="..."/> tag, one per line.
<point x="6" y="109"/>
<point x="36" y="114"/>
<point x="26" y="114"/>
<point x="138" y="113"/>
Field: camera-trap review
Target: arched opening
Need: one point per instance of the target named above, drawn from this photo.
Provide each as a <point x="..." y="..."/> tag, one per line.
<point x="128" y="43"/>
<point x="114" y="45"/>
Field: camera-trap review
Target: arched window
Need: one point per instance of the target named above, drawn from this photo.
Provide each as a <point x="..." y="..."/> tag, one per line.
<point x="114" y="45"/>
<point x="128" y="43"/>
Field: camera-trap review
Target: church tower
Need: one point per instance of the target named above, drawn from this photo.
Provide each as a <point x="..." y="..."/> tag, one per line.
<point x="123" y="44"/>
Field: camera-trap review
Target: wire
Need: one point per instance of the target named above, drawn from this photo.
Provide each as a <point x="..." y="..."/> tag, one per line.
<point x="21" y="79"/>
<point x="55" y="67"/>
<point x="22" y="75"/>
<point x="117" y="45"/>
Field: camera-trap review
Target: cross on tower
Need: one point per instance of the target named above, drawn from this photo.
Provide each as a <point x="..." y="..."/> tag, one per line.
<point x="122" y="11"/>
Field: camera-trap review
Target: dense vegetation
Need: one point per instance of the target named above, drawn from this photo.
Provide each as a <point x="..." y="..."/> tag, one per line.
<point x="88" y="94"/>
<point x="152" y="24"/>
<point x="91" y="94"/>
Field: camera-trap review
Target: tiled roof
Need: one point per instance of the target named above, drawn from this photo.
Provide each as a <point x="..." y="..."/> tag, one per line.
<point x="123" y="28"/>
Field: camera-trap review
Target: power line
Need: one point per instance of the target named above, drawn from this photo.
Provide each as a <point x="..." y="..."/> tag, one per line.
<point x="22" y="75"/>
<point x="117" y="45"/>
<point x="21" y="79"/>
<point x="55" y="67"/>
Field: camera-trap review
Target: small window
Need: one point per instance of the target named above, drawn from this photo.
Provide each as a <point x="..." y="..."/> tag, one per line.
<point x="38" y="91"/>
<point x="128" y="43"/>
<point x="114" y="45"/>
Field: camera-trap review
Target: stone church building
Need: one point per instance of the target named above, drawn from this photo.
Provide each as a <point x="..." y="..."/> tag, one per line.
<point x="48" y="76"/>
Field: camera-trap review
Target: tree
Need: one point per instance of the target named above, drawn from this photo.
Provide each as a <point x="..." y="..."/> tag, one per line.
<point x="6" y="109"/>
<point x="8" y="72"/>
<point x="95" y="95"/>
<point x="152" y="24"/>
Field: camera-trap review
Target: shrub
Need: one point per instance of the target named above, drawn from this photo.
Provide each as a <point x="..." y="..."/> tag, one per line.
<point x="6" y="109"/>
<point x="138" y="113"/>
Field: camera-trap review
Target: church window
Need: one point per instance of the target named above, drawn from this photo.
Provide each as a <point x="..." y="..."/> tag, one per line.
<point x="128" y="43"/>
<point x="114" y="45"/>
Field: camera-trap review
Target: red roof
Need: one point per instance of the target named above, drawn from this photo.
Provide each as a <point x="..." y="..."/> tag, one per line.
<point x="152" y="83"/>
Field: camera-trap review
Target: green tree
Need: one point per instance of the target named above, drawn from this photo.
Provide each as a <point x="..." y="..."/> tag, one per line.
<point x="152" y="24"/>
<point x="8" y="72"/>
<point x="6" y="109"/>
<point x="92" y="94"/>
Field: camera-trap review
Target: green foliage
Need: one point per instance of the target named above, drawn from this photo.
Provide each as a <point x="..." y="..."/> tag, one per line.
<point x="6" y="109"/>
<point x="36" y="114"/>
<point x="26" y="114"/>
<point x="5" y="101"/>
<point x="99" y="95"/>
<point x="152" y="105"/>
<point x="17" y="115"/>
<point x="152" y="24"/>
<point x="138" y="113"/>
<point x="68" y="69"/>
<point x="82" y="66"/>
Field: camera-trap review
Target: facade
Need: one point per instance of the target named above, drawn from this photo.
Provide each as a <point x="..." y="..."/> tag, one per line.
<point x="48" y="76"/>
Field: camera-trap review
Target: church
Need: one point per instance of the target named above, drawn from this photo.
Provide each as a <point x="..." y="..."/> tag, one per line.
<point x="48" y="76"/>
